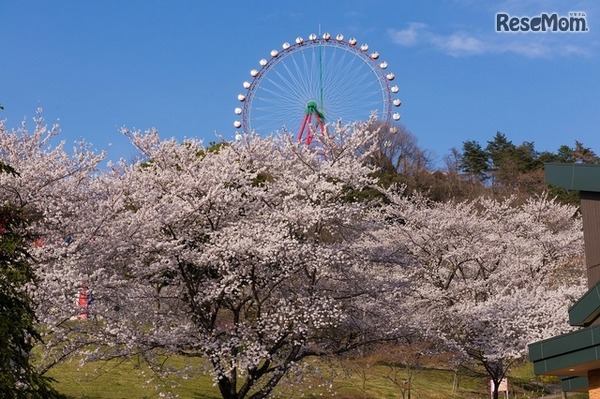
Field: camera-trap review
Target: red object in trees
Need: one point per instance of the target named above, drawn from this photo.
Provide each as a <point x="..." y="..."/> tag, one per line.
<point x="82" y="302"/>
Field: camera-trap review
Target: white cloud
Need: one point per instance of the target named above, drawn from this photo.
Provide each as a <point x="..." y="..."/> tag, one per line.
<point x="458" y="44"/>
<point x="461" y="43"/>
<point x="409" y="36"/>
<point x="531" y="49"/>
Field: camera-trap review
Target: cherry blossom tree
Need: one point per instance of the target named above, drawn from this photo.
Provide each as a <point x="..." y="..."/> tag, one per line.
<point x="487" y="277"/>
<point x="240" y="253"/>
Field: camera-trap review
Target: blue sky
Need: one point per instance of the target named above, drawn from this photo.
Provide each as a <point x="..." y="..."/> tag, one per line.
<point x="96" y="66"/>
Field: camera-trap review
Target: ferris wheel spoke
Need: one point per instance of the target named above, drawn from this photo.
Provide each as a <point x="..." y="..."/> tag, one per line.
<point x="295" y="84"/>
<point x="279" y="91"/>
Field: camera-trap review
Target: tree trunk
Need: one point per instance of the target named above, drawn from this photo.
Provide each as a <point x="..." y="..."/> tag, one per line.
<point x="227" y="389"/>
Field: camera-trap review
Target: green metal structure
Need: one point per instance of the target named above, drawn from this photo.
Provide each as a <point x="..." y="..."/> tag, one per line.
<point x="574" y="355"/>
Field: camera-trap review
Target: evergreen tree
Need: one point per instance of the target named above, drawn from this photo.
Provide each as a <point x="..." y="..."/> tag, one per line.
<point x="499" y="149"/>
<point x="18" y="376"/>
<point x="474" y="160"/>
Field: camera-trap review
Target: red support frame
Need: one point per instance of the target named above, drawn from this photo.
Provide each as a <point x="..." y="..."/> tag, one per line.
<point x="307" y="126"/>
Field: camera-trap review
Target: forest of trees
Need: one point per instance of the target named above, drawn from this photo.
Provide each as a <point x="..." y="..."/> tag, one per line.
<point x="508" y="168"/>
<point x="498" y="168"/>
<point x="258" y="254"/>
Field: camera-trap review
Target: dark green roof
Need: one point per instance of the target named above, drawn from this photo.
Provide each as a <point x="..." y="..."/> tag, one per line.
<point x="586" y="309"/>
<point x="571" y="354"/>
<point x="573" y="176"/>
<point x="575" y="384"/>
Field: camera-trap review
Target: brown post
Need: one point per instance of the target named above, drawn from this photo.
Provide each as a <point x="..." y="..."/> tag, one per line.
<point x="590" y="210"/>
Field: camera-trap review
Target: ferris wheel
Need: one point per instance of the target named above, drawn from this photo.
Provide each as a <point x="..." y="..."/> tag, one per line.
<point x="310" y="83"/>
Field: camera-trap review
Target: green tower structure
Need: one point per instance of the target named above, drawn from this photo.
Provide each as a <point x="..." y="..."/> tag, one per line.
<point x="575" y="356"/>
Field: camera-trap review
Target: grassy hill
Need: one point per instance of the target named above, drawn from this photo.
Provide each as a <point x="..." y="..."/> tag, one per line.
<point x="365" y="378"/>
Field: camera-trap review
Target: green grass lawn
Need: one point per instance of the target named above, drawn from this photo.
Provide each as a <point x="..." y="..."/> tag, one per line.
<point x="356" y="379"/>
<point x="127" y="380"/>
